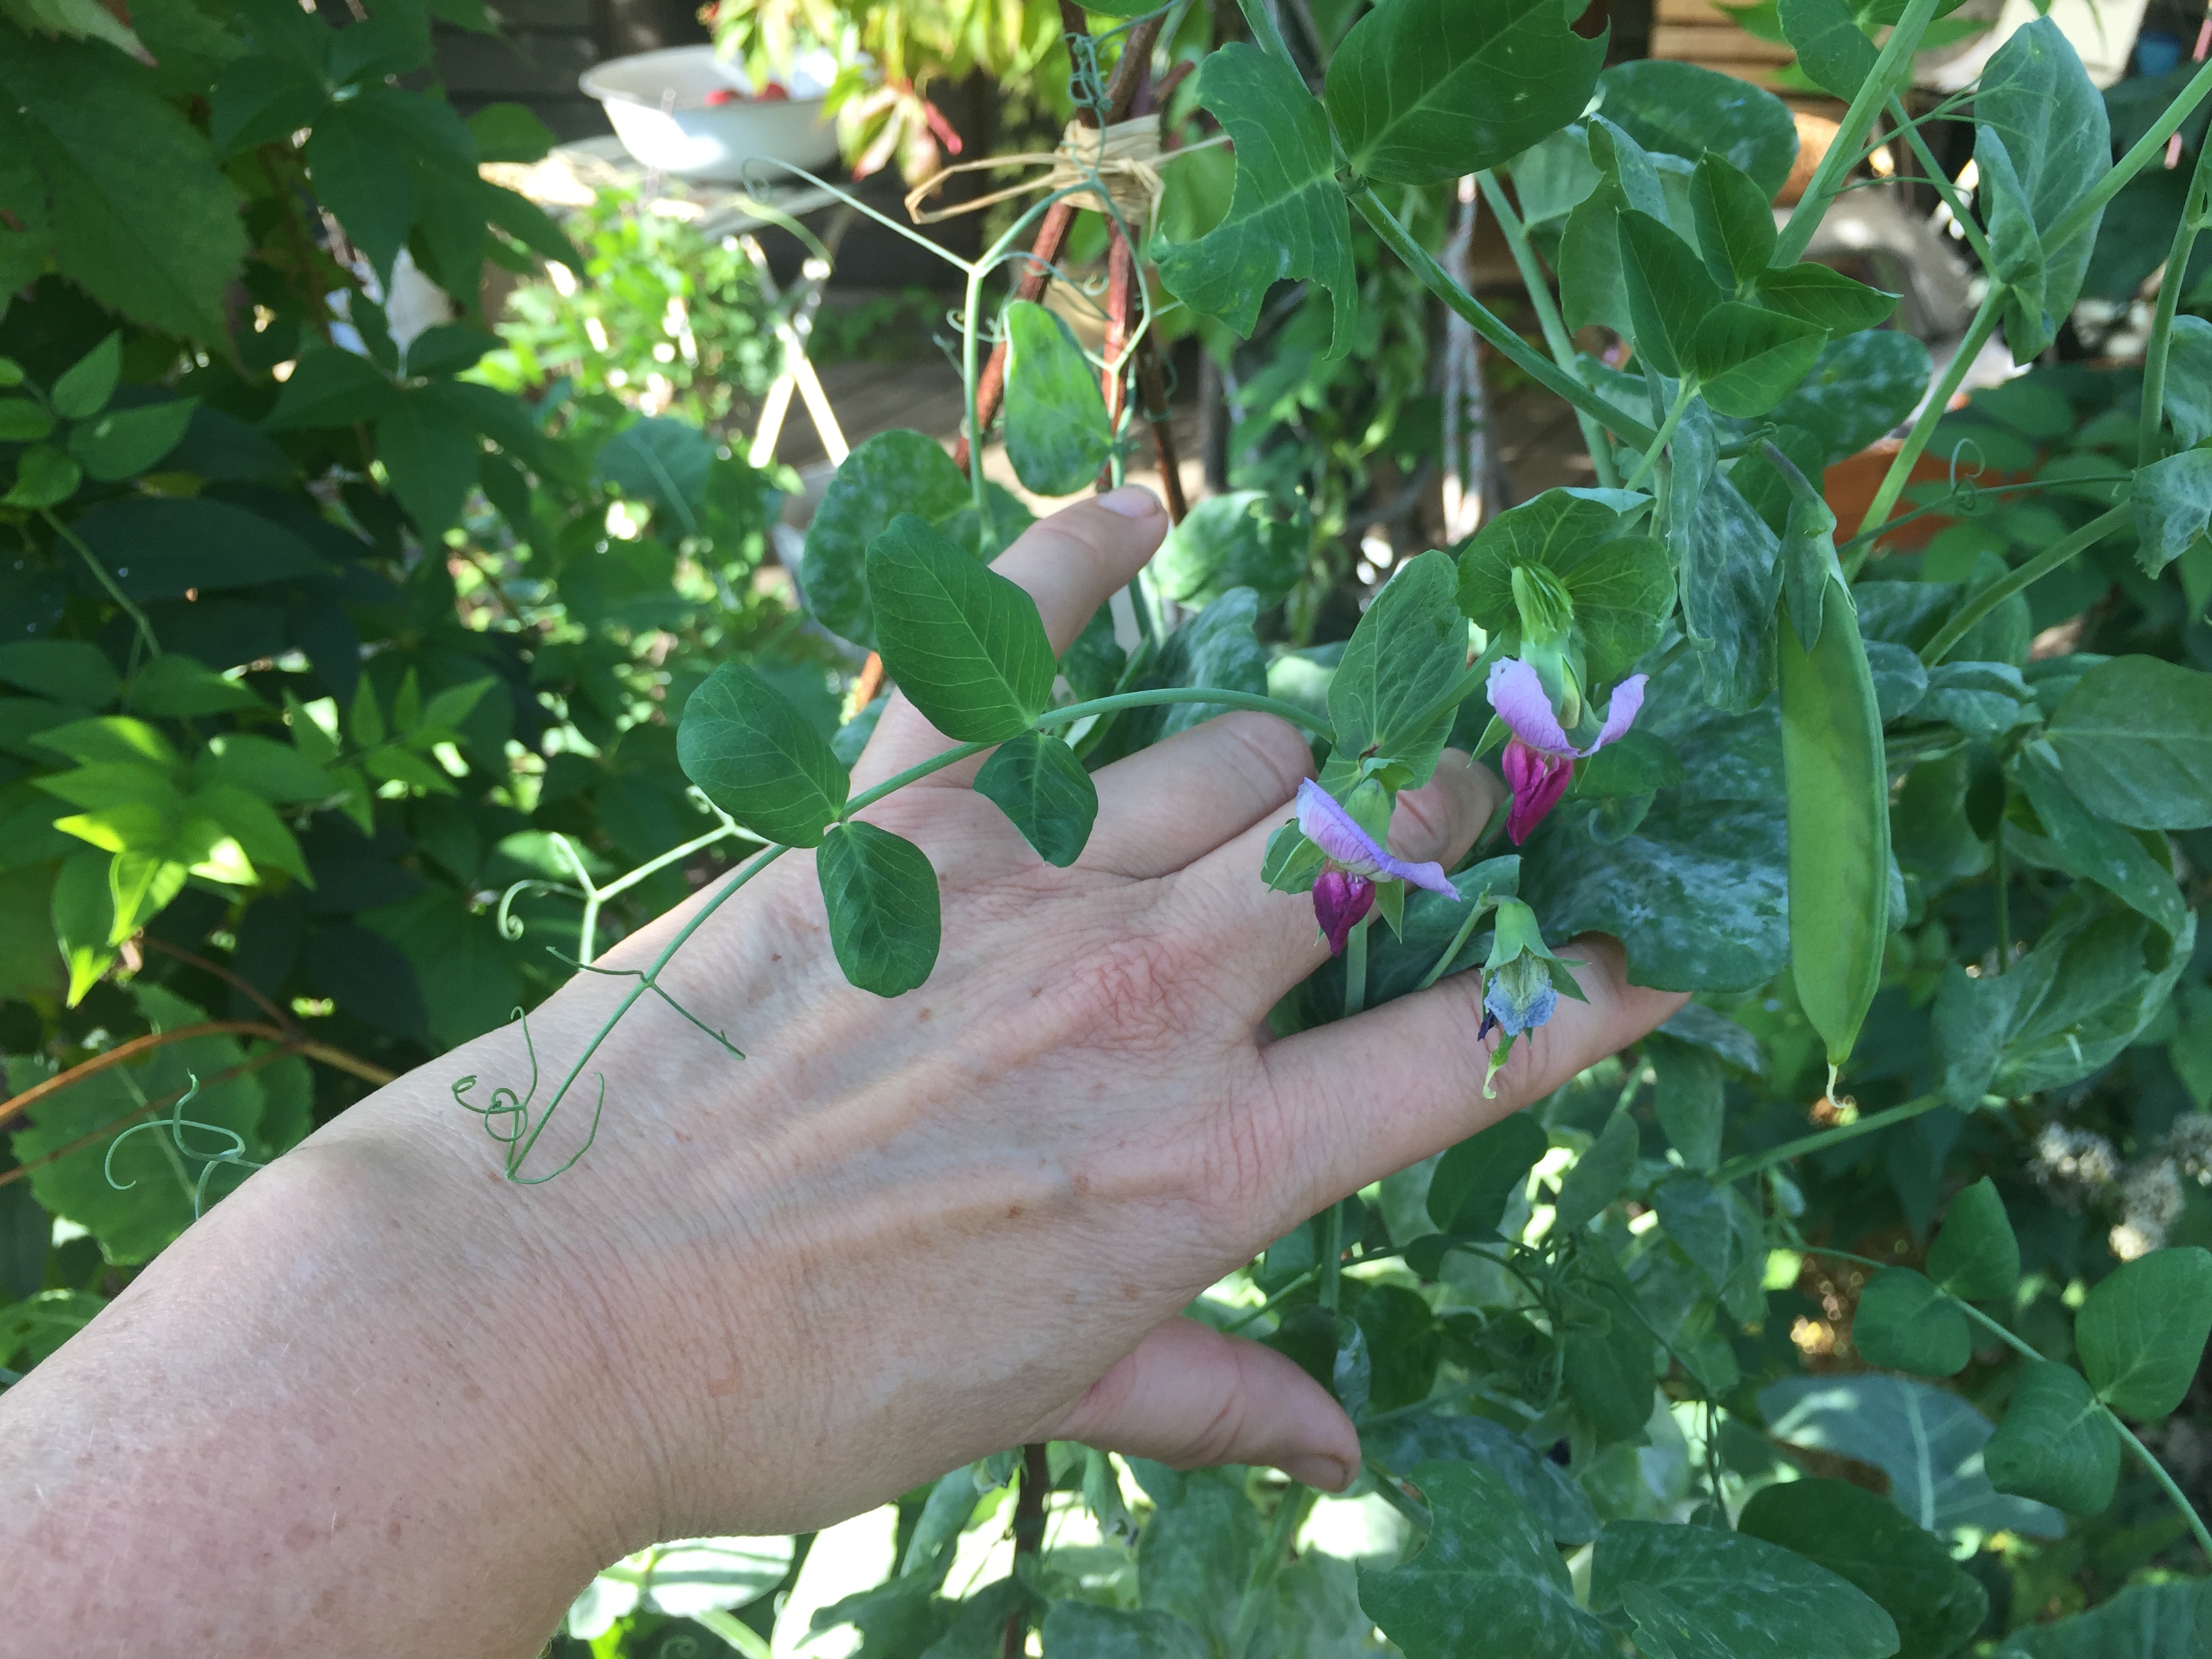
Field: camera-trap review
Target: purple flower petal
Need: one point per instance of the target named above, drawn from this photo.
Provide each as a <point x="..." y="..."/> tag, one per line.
<point x="1517" y="695"/>
<point x="1538" y="781"/>
<point x="1329" y="827"/>
<point x="1339" y="900"/>
<point x="1621" y="713"/>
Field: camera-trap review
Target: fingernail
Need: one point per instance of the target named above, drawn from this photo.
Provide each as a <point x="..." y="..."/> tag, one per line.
<point x="1317" y="1470"/>
<point x="1131" y="501"/>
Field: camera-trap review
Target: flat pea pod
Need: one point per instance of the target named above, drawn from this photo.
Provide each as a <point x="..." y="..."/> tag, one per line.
<point x="1838" y="784"/>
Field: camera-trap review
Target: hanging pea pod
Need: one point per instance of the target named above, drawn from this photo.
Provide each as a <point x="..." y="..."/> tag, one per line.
<point x="1838" y="783"/>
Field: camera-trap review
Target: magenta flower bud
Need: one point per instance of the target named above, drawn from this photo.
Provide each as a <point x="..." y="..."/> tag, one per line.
<point x="1537" y="779"/>
<point x="1540" y="760"/>
<point x="1339" y="900"/>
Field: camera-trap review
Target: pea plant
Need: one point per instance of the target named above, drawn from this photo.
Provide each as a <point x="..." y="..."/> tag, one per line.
<point x="1843" y="801"/>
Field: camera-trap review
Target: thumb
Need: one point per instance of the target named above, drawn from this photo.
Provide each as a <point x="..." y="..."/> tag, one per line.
<point x="1190" y="1396"/>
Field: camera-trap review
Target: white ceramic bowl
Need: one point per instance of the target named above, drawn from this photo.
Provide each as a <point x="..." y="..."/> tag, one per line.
<point x="658" y="101"/>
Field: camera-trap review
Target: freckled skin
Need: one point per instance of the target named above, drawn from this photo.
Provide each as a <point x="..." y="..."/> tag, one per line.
<point x="780" y="1290"/>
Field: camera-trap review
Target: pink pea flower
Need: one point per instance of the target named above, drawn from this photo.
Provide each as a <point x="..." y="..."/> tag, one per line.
<point x="1539" y="762"/>
<point x="1345" y="887"/>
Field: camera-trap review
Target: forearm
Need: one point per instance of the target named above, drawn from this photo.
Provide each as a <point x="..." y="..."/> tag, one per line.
<point x="331" y="1386"/>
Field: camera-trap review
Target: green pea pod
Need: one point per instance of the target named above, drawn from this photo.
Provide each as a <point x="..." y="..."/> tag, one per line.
<point x="1831" y="756"/>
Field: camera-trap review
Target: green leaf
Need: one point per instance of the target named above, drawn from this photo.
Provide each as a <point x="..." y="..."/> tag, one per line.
<point x="1590" y="290"/>
<point x="1228" y="541"/>
<point x="2095" y="848"/>
<point x="262" y="98"/>
<point x="143" y="219"/>
<point x="893" y="473"/>
<point x="44" y="478"/>
<point x="1863" y="386"/>
<point x="67" y="671"/>
<point x="2056" y="1445"/>
<point x="1669" y="294"/>
<point x="2173" y="504"/>
<point x="447" y="349"/>
<point x="1195" y="1558"/>
<point x="2189" y="379"/>
<point x="881" y="895"/>
<point x="430" y="456"/>
<point x="1983" y="700"/>
<point x="1217" y="647"/>
<point x="329" y="387"/>
<point x="510" y="132"/>
<point x="175" y="687"/>
<point x="84" y="920"/>
<point x="1721" y="1234"/>
<point x="2143" y="1621"/>
<point x="1607" y="1370"/>
<point x="2142" y="1332"/>
<point x="1598" y="1177"/>
<point x="756" y="756"/>
<point x="274" y="771"/>
<point x="1423" y="91"/>
<point x="124" y="442"/>
<point x="2134" y="735"/>
<point x="1926" y="1439"/>
<point x="1863" y="1539"/>
<point x="1750" y="359"/>
<point x="1665" y="1631"/>
<point x="1488" y="1580"/>
<point x="1681" y="109"/>
<point x="1730" y="572"/>
<point x="1552" y="1496"/>
<point x="360" y="156"/>
<point x="1079" y="1630"/>
<point x="1734" y="222"/>
<point x="1058" y="436"/>
<point x="1034" y="779"/>
<point x="965" y="645"/>
<point x="159" y="547"/>
<point x="1287" y="219"/>
<point x="666" y="464"/>
<point x="1689" y="1099"/>
<point x="1831" y="48"/>
<point x="1757" y="1596"/>
<point x="85" y="385"/>
<point x="1825" y="298"/>
<point x="1474" y="1182"/>
<point x="1618" y="580"/>
<point x="22" y="422"/>
<point x="1407" y="652"/>
<point x="1975" y="1255"/>
<point x="1904" y="1323"/>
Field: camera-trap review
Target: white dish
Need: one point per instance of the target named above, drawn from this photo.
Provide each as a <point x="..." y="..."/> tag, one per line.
<point x="659" y="104"/>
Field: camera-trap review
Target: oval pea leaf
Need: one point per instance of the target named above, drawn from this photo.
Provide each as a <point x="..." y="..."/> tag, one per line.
<point x="893" y="473"/>
<point x="2142" y="1332"/>
<point x="1904" y="1323"/>
<point x="1975" y="1255"/>
<point x="2056" y="1443"/>
<point x="1750" y="359"/>
<point x="1057" y="433"/>
<point x="881" y="896"/>
<point x="965" y="645"/>
<point x="1475" y="1181"/>
<point x="1670" y="294"/>
<point x="1402" y="660"/>
<point x="1034" y="779"/>
<point x="1734" y="224"/>
<point x="1827" y="298"/>
<point x="2134" y="735"/>
<point x="127" y="441"/>
<point x="756" y="756"/>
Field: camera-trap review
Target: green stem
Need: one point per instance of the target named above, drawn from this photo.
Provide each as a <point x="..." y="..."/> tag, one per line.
<point x="1355" y="968"/>
<point x="1846" y="550"/>
<point x="2004" y="889"/>
<point x="733" y="1630"/>
<point x="1076" y="711"/>
<point x="107" y="580"/>
<point x="1274" y="1301"/>
<point x="1438" y="282"/>
<point x="1547" y="318"/>
<point x="2194" y="210"/>
<point x="1475" y="913"/>
<point x="1923" y="427"/>
<point x="1888" y="74"/>
<point x="2157" y="1469"/>
<point x="1688" y="390"/>
<point x="912" y="775"/>
<point x="2139" y="156"/>
<point x="1980" y="604"/>
<point x="1332" y="1258"/>
<point x="1758" y="1163"/>
<point x="1943" y="186"/>
<point x="1282" y="1533"/>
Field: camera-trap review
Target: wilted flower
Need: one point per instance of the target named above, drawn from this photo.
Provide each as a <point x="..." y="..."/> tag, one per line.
<point x="1356" y="861"/>
<point x="1539" y="762"/>
<point x="1521" y="983"/>
<point x="1520" y="996"/>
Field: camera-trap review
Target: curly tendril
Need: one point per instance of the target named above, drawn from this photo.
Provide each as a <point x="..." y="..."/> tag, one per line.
<point x="508" y="1120"/>
<point x="176" y="1123"/>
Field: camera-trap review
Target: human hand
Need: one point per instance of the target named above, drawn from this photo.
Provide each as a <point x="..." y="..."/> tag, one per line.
<point x="776" y="1291"/>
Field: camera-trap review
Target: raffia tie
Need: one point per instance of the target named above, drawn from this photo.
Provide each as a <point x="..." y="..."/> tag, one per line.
<point x="1125" y="158"/>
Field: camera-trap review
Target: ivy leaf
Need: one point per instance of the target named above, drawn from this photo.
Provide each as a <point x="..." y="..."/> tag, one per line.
<point x="1228" y="541"/>
<point x="1034" y="779"/>
<point x="893" y="473"/>
<point x="1422" y="91"/>
<point x="1403" y="657"/>
<point x="1904" y="1323"/>
<point x="965" y="645"/>
<point x="1756" y="1596"/>
<point x="2134" y="735"/>
<point x="1734" y="222"/>
<point x="1669" y="294"/>
<point x="1827" y="298"/>
<point x="1057" y="433"/>
<point x="430" y="456"/>
<point x="1832" y="49"/>
<point x="143" y="218"/>
<point x="1975" y="1255"/>
<point x="1748" y="359"/>
<point x="665" y="463"/>
<point x="261" y="98"/>
<point x="880" y="894"/>
<point x="1489" y="1579"/>
<point x="2142" y="1331"/>
<point x="2056" y="1445"/>
<point x="1620" y="582"/>
<point x="1475" y="1181"/>
<point x="2172" y="505"/>
<point x="755" y="756"/>
<point x="1863" y="1539"/>
<point x="1287" y="217"/>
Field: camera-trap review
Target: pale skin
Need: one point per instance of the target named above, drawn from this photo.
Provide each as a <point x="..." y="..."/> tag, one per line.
<point x="382" y="1401"/>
